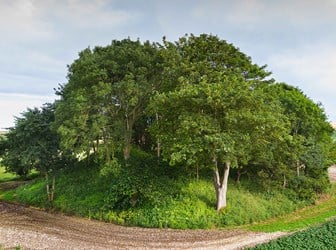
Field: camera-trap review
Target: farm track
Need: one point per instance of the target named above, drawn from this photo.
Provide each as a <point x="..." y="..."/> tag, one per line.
<point x="30" y="228"/>
<point x="34" y="229"/>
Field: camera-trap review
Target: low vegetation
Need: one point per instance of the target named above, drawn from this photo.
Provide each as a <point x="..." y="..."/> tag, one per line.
<point x="149" y="197"/>
<point x="324" y="209"/>
<point x="5" y="176"/>
<point x="320" y="237"/>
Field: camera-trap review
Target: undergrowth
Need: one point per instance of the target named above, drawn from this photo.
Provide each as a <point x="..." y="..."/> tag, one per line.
<point x="303" y="218"/>
<point x="149" y="194"/>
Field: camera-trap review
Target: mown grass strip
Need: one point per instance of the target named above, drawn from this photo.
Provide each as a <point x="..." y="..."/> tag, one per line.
<point x="309" y="216"/>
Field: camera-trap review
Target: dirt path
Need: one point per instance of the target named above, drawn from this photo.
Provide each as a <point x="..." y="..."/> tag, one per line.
<point x="34" y="229"/>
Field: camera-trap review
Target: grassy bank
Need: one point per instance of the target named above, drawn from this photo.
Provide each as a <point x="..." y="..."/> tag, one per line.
<point x="323" y="210"/>
<point x="148" y="197"/>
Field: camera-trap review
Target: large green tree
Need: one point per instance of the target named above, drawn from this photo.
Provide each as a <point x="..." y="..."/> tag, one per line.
<point x="217" y="109"/>
<point x="105" y="97"/>
<point x="310" y="149"/>
<point x="33" y="144"/>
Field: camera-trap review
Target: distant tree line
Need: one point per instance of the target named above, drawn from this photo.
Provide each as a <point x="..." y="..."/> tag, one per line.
<point x="198" y="103"/>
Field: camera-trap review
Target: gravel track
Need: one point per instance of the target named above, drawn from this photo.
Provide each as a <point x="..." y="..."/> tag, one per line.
<point x="31" y="228"/>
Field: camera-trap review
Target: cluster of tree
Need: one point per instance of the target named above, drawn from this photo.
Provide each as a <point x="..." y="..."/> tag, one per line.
<point x="198" y="102"/>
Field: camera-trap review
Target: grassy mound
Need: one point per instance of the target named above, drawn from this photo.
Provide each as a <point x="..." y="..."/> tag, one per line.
<point x="148" y="194"/>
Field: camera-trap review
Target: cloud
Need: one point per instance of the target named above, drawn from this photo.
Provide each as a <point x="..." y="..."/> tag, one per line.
<point x="312" y="68"/>
<point x="14" y="104"/>
<point x="314" y="63"/>
<point x="249" y="13"/>
<point x="42" y="36"/>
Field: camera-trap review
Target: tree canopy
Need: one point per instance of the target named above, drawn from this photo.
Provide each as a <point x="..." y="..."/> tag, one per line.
<point x="198" y="102"/>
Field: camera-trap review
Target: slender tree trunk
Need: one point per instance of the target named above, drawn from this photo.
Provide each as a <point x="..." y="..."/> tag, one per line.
<point x="50" y="188"/>
<point x="47" y="185"/>
<point x="284" y="185"/>
<point x="127" y="139"/>
<point x="158" y="140"/>
<point x="221" y="184"/>
<point x="239" y="174"/>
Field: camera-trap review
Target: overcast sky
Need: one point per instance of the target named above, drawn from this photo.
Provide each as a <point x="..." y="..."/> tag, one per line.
<point x="295" y="38"/>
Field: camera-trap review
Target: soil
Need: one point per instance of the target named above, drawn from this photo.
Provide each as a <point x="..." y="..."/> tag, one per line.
<point x="31" y="228"/>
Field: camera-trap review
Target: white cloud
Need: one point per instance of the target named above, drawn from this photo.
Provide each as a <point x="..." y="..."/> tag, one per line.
<point x="312" y="68"/>
<point x="315" y="63"/>
<point x="258" y="14"/>
<point x="14" y="104"/>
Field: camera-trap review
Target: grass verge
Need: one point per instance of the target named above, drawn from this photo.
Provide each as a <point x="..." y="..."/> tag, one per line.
<point x="322" y="211"/>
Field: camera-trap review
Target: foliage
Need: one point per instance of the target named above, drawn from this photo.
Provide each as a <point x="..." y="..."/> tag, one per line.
<point x="105" y="98"/>
<point x="321" y="237"/>
<point x="152" y="195"/>
<point x="202" y="106"/>
<point x="307" y="153"/>
<point x="324" y="209"/>
<point x="217" y="108"/>
<point x="32" y="144"/>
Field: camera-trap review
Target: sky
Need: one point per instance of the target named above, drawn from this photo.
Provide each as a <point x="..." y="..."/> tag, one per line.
<point x="39" y="38"/>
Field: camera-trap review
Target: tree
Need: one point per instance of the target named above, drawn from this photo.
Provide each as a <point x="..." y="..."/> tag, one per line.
<point x="216" y="108"/>
<point x="105" y="97"/>
<point x="32" y="144"/>
<point x="311" y="139"/>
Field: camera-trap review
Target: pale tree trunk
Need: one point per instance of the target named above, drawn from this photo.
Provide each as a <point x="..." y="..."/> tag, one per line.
<point x="221" y="184"/>
<point x="128" y="138"/>
<point x="284" y="181"/>
<point x="50" y="188"/>
<point x="158" y="140"/>
<point x="299" y="167"/>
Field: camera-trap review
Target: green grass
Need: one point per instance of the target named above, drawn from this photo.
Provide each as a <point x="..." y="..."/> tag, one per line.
<point x="150" y="195"/>
<point x="301" y="219"/>
<point x="6" y="176"/>
<point x="319" y="237"/>
<point x="147" y="196"/>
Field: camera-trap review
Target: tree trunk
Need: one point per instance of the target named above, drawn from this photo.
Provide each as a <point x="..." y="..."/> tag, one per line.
<point x="127" y="151"/>
<point x="239" y="174"/>
<point x="221" y="184"/>
<point x="284" y="182"/>
<point x="158" y="140"/>
<point x="128" y="137"/>
<point x="50" y="188"/>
